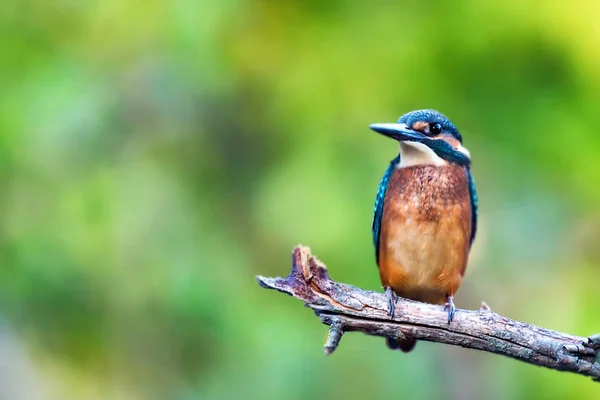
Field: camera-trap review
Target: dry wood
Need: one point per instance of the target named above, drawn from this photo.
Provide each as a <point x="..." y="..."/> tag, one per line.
<point x="347" y="308"/>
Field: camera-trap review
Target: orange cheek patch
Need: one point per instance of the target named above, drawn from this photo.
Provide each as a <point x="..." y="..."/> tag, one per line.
<point x="419" y="126"/>
<point x="451" y="140"/>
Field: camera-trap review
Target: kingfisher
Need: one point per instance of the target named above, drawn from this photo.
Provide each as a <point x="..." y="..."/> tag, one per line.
<point x="425" y="215"/>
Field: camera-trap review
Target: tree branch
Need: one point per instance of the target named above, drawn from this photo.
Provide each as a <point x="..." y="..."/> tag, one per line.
<point x="346" y="308"/>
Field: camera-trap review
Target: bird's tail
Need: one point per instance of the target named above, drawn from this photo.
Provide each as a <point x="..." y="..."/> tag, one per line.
<point x="405" y="345"/>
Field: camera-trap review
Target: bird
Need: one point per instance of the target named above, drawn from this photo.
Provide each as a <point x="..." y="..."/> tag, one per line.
<point x="425" y="214"/>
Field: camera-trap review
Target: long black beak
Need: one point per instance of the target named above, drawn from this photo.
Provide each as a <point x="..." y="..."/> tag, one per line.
<point x="399" y="132"/>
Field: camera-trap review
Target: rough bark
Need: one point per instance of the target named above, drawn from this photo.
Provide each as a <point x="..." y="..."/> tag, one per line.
<point x="346" y="308"/>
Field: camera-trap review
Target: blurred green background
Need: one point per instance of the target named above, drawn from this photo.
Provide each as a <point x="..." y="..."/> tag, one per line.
<point x="156" y="156"/>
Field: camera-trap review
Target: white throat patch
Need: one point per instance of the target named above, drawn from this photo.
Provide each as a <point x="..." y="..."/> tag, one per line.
<point x="414" y="153"/>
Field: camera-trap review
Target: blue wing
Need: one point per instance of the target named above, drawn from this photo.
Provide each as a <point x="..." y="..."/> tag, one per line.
<point x="474" y="209"/>
<point x="378" y="210"/>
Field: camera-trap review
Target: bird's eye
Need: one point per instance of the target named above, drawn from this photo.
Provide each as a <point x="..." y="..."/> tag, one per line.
<point x="435" y="128"/>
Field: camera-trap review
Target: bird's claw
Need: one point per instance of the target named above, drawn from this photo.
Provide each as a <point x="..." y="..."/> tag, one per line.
<point x="449" y="306"/>
<point x="391" y="298"/>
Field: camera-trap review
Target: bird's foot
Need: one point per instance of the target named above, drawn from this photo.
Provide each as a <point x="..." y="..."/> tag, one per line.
<point x="449" y="306"/>
<point x="392" y="298"/>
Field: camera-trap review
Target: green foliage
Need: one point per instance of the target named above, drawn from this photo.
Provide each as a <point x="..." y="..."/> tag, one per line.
<point x="155" y="156"/>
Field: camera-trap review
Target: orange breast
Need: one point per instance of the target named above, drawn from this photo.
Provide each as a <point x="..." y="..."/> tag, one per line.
<point x="425" y="232"/>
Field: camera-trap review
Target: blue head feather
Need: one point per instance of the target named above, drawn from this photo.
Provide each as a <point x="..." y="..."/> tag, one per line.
<point x="430" y="117"/>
